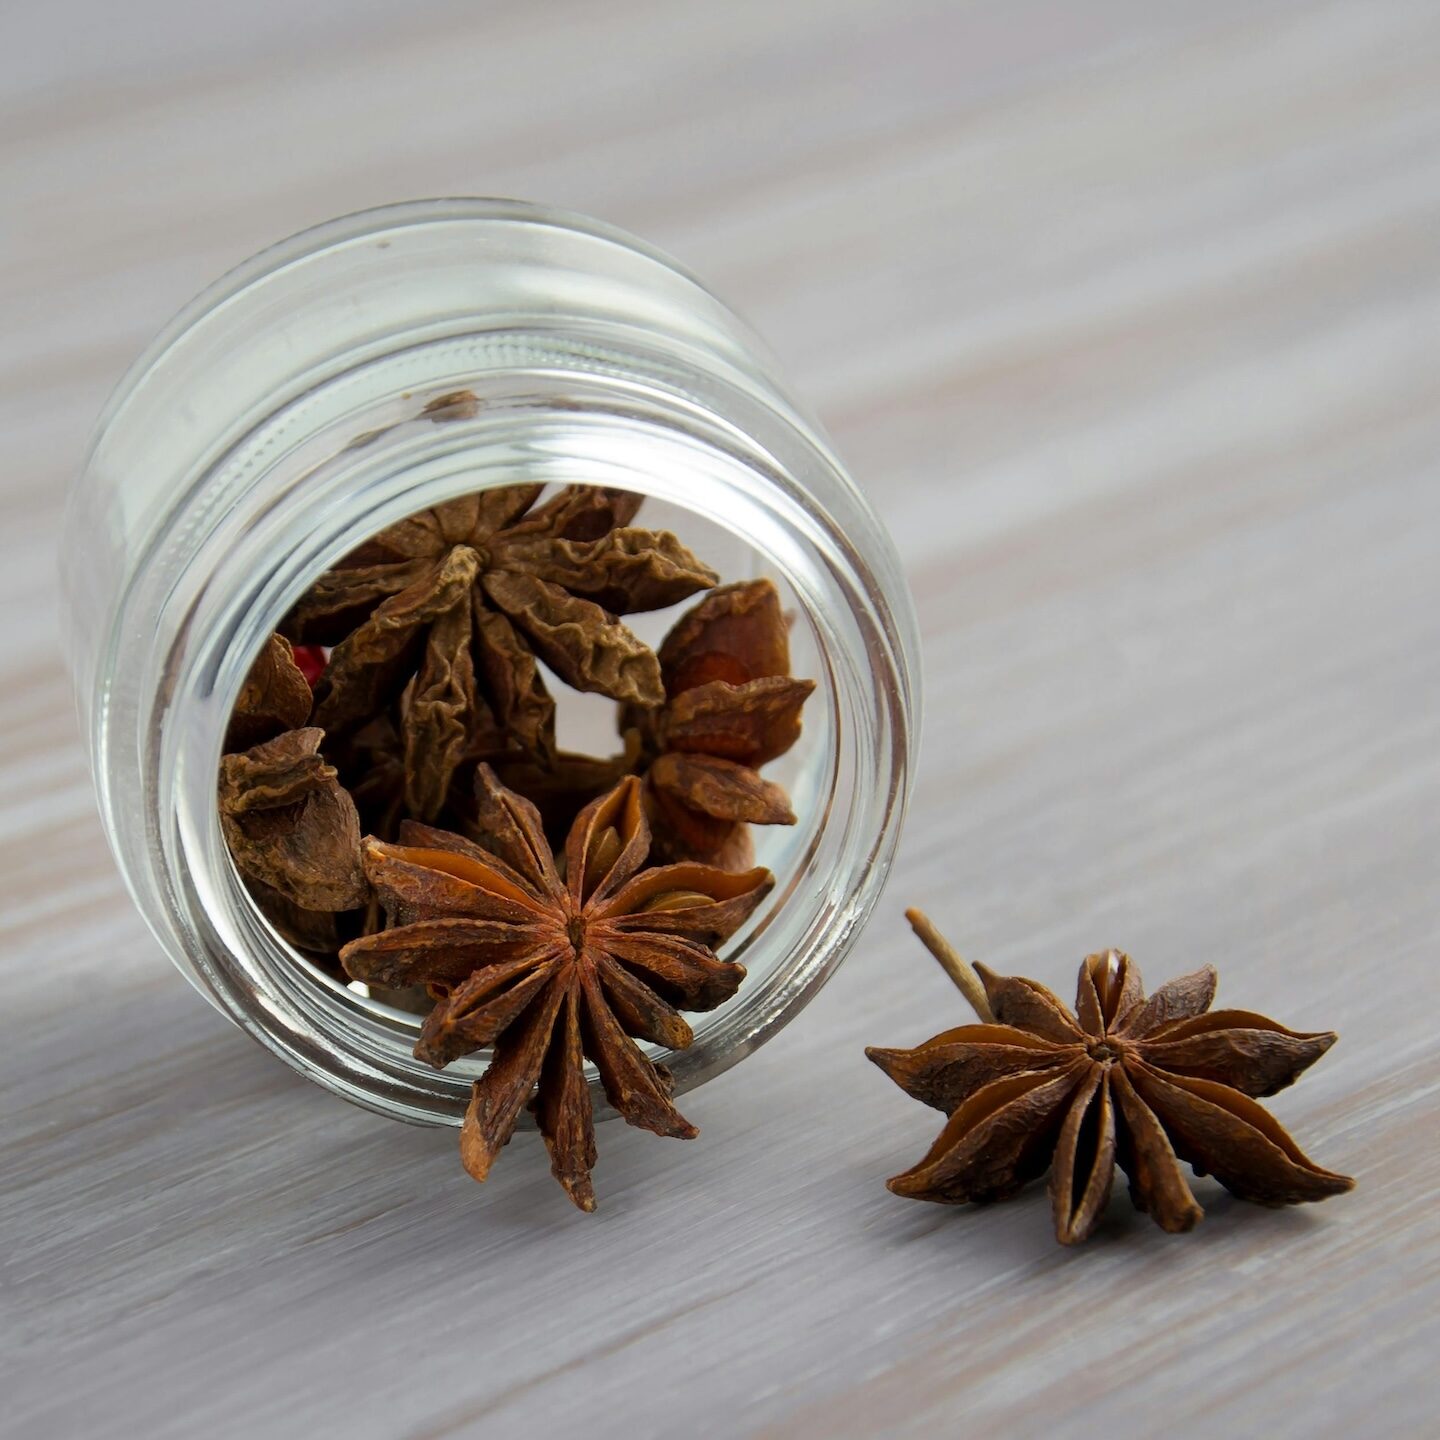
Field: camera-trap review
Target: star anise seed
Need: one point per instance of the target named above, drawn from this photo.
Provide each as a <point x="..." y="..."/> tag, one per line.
<point x="548" y="964"/>
<point x="1124" y="1080"/>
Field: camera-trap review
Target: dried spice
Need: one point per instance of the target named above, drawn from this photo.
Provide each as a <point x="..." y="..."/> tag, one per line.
<point x="374" y="767"/>
<point x="449" y="610"/>
<point x="275" y="697"/>
<point x="411" y="669"/>
<point x="552" y="963"/>
<point x="731" y="706"/>
<point x="561" y="791"/>
<point x="318" y="934"/>
<point x="289" y="824"/>
<point x="1124" y="1080"/>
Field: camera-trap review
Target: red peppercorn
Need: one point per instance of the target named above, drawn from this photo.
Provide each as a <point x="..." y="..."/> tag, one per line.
<point x="311" y="660"/>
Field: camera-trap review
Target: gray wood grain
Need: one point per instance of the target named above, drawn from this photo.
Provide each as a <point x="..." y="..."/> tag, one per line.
<point x="1130" y="314"/>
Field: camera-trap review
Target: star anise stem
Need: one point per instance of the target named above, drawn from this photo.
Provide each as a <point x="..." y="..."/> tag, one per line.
<point x="955" y="965"/>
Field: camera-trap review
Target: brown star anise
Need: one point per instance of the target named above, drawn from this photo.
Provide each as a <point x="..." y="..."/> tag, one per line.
<point x="275" y="697"/>
<point x="450" y="608"/>
<point x="572" y="781"/>
<point x="1142" y="1083"/>
<point x="550" y="968"/>
<point x="731" y="706"/>
<point x="290" y="825"/>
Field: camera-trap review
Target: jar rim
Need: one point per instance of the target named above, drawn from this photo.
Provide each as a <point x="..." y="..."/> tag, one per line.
<point x="369" y="220"/>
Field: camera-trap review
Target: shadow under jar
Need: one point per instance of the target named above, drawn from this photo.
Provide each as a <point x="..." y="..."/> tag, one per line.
<point x="281" y="420"/>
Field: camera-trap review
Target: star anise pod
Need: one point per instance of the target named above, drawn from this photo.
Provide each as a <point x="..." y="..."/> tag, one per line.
<point x="456" y="603"/>
<point x="1142" y="1083"/>
<point x="290" y="825"/>
<point x="731" y="706"/>
<point x="561" y="791"/>
<point x="275" y="697"/>
<point x="549" y="965"/>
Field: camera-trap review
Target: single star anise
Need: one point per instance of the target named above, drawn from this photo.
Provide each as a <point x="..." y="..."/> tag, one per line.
<point x="450" y="609"/>
<point x="731" y="706"/>
<point x="550" y="967"/>
<point x="1142" y="1083"/>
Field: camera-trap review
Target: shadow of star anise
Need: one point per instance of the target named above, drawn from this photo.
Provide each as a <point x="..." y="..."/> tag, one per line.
<point x="450" y="609"/>
<point x="549" y="966"/>
<point x="731" y="706"/>
<point x="1142" y="1083"/>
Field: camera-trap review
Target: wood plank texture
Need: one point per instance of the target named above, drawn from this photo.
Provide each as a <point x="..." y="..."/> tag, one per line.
<point x="1129" y="312"/>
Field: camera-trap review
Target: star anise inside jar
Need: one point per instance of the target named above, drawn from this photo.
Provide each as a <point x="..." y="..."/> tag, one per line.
<point x="550" y="963"/>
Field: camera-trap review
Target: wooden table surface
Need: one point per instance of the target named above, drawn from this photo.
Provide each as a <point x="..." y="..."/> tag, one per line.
<point x="1128" y="314"/>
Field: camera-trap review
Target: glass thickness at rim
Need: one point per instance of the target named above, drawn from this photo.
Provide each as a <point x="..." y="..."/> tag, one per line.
<point x="750" y="465"/>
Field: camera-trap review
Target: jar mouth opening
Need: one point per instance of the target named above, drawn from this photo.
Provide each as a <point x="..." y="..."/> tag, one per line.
<point x="343" y="457"/>
<point x="809" y="770"/>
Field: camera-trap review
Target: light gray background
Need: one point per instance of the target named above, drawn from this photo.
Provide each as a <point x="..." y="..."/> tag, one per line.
<point x="1128" y="313"/>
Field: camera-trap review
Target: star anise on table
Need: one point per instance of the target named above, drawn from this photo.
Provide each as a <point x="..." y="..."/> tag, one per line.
<point x="731" y="706"/>
<point x="549" y="963"/>
<point x="444" y="614"/>
<point x="1142" y="1083"/>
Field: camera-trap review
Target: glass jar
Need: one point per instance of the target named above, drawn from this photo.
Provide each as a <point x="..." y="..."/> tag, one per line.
<point x="280" y="420"/>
